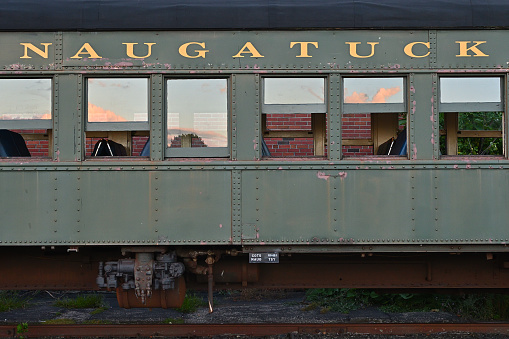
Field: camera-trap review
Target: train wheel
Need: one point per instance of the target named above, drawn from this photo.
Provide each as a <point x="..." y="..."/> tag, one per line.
<point x="160" y="299"/>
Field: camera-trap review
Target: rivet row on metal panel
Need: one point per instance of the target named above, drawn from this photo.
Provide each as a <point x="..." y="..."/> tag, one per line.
<point x="436" y="115"/>
<point x="257" y="110"/>
<point x="79" y="203"/>
<point x="58" y="50"/>
<point x="411" y="114"/>
<point x="432" y="36"/>
<point x="55" y="204"/>
<point x="157" y="120"/>
<point x="55" y="117"/>
<point x="80" y="145"/>
<point x="234" y="117"/>
<point x="236" y="207"/>
<point x="435" y="199"/>
<point x="334" y="139"/>
<point x="155" y="187"/>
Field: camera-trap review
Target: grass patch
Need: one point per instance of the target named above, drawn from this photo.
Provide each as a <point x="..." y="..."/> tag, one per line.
<point x="82" y="301"/>
<point x="171" y="321"/>
<point x="60" y="322"/>
<point x="482" y="306"/>
<point x="191" y="303"/>
<point x="10" y="300"/>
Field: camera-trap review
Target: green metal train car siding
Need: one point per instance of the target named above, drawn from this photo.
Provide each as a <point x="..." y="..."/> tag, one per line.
<point x="306" y="205"/>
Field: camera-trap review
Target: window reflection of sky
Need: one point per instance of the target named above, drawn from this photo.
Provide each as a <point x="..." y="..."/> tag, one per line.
<point x="294" y="90"/>
<point x="117" y="99"/>
<point x="23" y="99"/>
<point x="199" y="107"/>
<point x="465" y="89"/>
<point x="373" y="90"/>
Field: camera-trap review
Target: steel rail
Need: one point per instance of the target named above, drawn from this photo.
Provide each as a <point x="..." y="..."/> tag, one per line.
<point x="151" y="330"/>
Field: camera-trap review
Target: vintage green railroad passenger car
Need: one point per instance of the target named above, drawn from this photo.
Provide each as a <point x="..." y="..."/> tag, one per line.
<point x="284" y="144"/>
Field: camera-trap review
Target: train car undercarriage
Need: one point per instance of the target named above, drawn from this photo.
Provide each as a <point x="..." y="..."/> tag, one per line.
<point x="159" y="276"/>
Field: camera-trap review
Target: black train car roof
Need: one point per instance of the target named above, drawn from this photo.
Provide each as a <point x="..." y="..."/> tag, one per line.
<point x="92" y="15"/>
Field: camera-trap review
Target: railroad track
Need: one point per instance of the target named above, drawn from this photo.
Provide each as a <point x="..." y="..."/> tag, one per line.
<point x="154" y="330"/>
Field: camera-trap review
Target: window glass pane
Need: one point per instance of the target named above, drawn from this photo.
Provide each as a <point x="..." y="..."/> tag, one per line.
<point x="25" y="99"/>
<point x="373" y="90"/>
<point x="117" y="99"/>
<point x="480" y="89"/>
<point x="197" y="113"/>
<point x="294" y="90"/>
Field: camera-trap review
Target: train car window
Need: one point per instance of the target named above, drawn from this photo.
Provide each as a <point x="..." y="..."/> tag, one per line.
<point x="471" y="116"/>
<point x="294" y="120"/>
<point x="197" y="118"/>
<point x="26" y="118"/>
<point x="117" y="116"/>
<point x="374" y="117"/>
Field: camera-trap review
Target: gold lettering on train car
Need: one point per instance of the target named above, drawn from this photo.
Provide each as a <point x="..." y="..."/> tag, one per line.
<point x="130" y="49"/>
<point x="408" y="49"/>
<point x="86" y="48"/>
<point x="353" y="49"/>
<point x="304" y="47"/>
<point x="250" y="49"/>
<point x="201" y="53"/>
<point x="464" y="49"/>
<point x="29" y="46"/>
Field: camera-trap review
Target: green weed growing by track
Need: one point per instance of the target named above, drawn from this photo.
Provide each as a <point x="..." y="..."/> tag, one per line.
<point x="10" y="300"/>
<point x="191" y="303"/>
<point x="472" y="306"/>
<point x="82" y="301"/>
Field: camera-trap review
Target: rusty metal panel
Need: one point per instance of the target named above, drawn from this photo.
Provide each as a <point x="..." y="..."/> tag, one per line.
<point x="285" y="206"/>
<point x="26" y="207"/>
<point x="473" y="205"/>
<point x="68" y="128"/>
<point x="28" y="51"/>
<point x="115" y="206"/>
<point x="472" y="49"/>
<point x="309" y="207"/>
<point x="246" y="115"/>
<point x="195" y="206"/>
<point x="423" y="129"/>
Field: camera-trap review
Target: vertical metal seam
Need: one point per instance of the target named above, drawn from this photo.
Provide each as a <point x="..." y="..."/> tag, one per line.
<point x="58" y="50"/>
<point x="436" y="117"/>
<point x="233" y="128"/>
<point x="55" y="118"/>
<point x="435" y="200"/>
<point x="80" y="121"/>
<point x="335" y="117"/>
<point x="236" y="207"/>
<point x="432" y="35"/>
<point x="412" y="108"/>
<point x="157" y="146"/>
<point x="505" y="115"/>
<point x="257" y="117"/>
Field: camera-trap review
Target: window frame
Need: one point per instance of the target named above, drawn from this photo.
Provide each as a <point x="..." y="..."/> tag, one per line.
<point x="316" y="108"/>
<point x="31" y="123"/>
<point x="374" y="109"/>
<point x="34" y="124"/>
<point x="116" y="126"/>
<point x="455" y="108"/>
<point x="198" y="152"/>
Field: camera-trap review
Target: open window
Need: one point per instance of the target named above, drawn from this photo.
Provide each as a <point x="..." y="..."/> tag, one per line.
<point x="197" y="118"/>
<point x="471" y="116"/>
<point x="26" y="118"/>
<point x="294" y="120"/>
<point x="374" y="118"/>
<point x="117" y="121"/>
